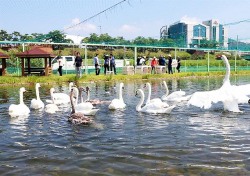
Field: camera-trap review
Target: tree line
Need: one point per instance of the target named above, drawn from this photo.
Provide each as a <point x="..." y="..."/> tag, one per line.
<point x="57" y="36"/>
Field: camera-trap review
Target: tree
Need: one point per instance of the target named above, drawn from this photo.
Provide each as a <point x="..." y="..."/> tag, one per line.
<point x="4" y="35"/>
<point x="204" y="43"/>
<point x="26" y="37"/>
<point x="56" y="37"/>
<point x="93" y="38"/>
<point x="16" y="36"/>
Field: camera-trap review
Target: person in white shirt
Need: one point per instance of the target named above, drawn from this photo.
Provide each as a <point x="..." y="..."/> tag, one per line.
<point x="60" y="63"/>
<point x="142" y="60"/>
<point x="97" y="65"/>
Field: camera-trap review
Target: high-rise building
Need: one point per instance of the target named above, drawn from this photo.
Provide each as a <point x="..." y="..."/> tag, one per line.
<point x="189" y="34"/>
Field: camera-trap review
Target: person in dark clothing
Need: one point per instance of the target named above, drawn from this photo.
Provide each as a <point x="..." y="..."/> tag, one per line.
<point x="138" y="61"/>
<point x="112" y="63"/>
<point x="170" y="64"/>
<point x="178" y="64"/>
<point x="78" y="64"/>
<point x="162" y="61"/>
<point x="106" y="64"/>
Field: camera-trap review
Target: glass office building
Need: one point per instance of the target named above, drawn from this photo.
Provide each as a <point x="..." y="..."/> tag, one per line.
<point x="191" y="34"/>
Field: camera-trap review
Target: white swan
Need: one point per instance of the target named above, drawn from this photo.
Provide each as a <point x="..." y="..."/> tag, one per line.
<point x="21" y="109"/>
<point x="176" y="96"/>
<point x="158" y="101"/>
<point x="151" y="107"/>
<point x="77" y="117"/>
<point x="37" y="103"/>
<point x="84" y="107"/>
<point x="51" y="108"/>
<point x="118" y="103"/>
<point x="229" y="95"/>
<point x="61" y="98"/>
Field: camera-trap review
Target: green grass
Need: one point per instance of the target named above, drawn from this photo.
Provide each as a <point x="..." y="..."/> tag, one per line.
<point x="13" y="80"/>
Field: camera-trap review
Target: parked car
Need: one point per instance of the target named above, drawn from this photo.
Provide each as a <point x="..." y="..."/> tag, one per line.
<point x="68" y="63"/>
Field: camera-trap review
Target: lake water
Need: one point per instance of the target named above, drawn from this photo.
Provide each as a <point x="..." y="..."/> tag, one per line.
<point x="189" y="141"/>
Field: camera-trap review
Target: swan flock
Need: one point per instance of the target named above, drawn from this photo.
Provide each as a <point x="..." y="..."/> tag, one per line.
<point x="230" y="96"/>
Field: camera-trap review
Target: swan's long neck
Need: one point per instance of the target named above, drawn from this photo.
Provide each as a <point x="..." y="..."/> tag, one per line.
<point x="88" y="95"/>
<point x="80" y="94"/>
<point x="72" y="103"/>
<point x="70" y="86"/>
<point x="138" y="107"/>
<point x="166" y="87"/>
<point x="52" y="96"/>
<point x="21" y="97"/>
<point x="227" y="76"/>
<point x="75" y="89"/>
<point x="149" y="93"/>
<point x="37" y="93"/>
<point x="120" y="92"/>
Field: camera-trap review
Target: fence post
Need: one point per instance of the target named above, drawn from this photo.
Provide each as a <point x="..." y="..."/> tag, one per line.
<point x="135" y="56"/>
<point x="86" y="60"/>
<point x="235" y="61"/>
<point x="208" y="60"/>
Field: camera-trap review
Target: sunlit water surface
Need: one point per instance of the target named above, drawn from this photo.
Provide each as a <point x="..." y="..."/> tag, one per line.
<point x="189" y="141"/>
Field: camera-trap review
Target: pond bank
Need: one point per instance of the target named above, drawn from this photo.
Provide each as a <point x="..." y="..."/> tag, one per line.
<point x="14" y="80"/>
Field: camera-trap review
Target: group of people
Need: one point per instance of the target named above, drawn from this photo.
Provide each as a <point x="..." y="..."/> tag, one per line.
<point x="108" y="64"/>
<point x="77" y="63"/>
<point x="162" y="62"/>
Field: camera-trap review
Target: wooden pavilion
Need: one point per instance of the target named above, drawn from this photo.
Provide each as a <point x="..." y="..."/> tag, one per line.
<point x="39" y="52"/>
<point x="3" y="57"/>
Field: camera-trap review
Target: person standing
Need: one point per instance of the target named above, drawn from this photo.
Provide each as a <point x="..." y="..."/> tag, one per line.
<point x="178" y="64"/>
<point x="142" y="60"/>
<point x="170" y="64"/>
<point x="106" y="63"/>
<point x="97" y="65"/>
<point x="162" y="61"/>
<point x="78" y="65"/>
<point x="60" y="64"/>
<point x="112" y="63"/>
<point x="153" y="65"/>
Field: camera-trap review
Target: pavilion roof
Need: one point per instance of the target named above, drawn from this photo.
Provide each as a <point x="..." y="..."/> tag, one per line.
<point x="2" y="55"/>
<point x="37" y="52"/>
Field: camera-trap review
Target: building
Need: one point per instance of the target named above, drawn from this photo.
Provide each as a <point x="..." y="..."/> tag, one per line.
<point x="189" y="34"/>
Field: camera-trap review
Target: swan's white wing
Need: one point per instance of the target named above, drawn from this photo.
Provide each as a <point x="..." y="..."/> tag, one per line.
<point x="61" y="96"/>
<point x="84" y="106"/>
<point x="174" y="96"/>
<point x="117" y="104"/>
<point x="206" y="98"/>
<point x="90" y="112"/>
<point x="153" y="109"/>
<point x="36" y="104"/>
<point x="243" y="89"/>
<point x="18" y="110"/>
<point x="51" y="108"/>
<point x="241" y="93"/>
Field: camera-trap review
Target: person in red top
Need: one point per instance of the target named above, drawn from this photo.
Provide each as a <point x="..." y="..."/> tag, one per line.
<point x="153" y="64"/>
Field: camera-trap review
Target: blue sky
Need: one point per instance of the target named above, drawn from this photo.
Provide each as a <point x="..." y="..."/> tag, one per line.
<point x="130" y="19"/>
